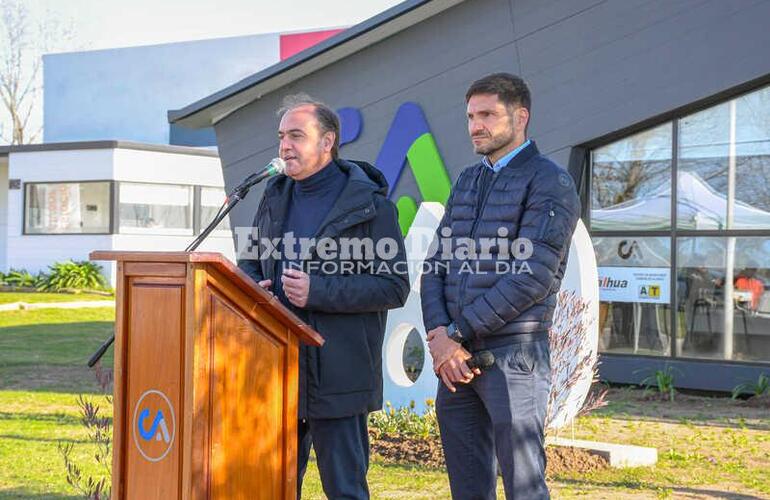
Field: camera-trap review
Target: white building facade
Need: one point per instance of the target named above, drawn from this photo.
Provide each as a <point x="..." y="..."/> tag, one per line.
<point x="65" y="200"/>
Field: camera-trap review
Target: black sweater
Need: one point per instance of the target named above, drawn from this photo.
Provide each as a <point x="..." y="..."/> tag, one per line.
<point x="311" y="200"/>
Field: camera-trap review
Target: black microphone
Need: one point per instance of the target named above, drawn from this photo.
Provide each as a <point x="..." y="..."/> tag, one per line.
<point x="276" y="167"/>
<point x="481" y="360"/>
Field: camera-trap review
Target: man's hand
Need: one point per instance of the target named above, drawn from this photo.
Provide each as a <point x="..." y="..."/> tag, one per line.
<point x="266" y="284"/>
<point x="441" y="347"/>
<point x="296" y="286"/>
<point x="455" y="369"/>
<point x="436" y="331"/>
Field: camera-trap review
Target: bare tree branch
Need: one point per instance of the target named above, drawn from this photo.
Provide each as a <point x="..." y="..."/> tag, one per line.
<point x="22" y="44"/>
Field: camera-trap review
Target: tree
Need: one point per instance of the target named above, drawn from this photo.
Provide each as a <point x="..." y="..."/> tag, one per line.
<point x="631" y="168"/>
<point x="23" y="41"/>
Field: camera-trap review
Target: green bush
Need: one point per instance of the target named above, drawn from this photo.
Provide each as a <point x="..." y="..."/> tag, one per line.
<point x="662" y="382"/>
<point x="73" y="275"/>
<point x="405" y="421"/>
<point x="21" y="278"/>
<point x="760" y="388"/>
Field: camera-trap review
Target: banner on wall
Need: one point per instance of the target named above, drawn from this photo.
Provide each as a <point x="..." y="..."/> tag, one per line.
<point x="650" y="285"/>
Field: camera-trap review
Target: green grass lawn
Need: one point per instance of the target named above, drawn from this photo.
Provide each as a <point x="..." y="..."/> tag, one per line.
<point x="47" y="349"/>
<point x="391" y="481"/>
<point x="708" y="447"/>
<point x="31" y="425"/>
<point x="34" y="297"/>
<point x="42" y="369"/>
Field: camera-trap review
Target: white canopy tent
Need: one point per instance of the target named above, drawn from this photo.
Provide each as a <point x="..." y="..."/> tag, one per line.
<point x="699" y="207"/>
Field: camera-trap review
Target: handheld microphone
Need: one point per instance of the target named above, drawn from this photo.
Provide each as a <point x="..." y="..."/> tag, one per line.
<point x="481" y="360"/>
<point x="276" y="167"/>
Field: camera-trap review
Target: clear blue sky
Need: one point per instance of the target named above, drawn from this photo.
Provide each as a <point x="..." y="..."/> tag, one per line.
<point x="99" y="24"/>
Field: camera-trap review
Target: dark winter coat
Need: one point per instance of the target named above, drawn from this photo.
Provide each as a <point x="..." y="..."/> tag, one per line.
<point x="348" y="308"/>
<point x="531" y="198"/>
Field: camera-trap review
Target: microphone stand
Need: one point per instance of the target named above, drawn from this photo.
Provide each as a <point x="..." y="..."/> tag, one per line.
<point x="236" y="196"/>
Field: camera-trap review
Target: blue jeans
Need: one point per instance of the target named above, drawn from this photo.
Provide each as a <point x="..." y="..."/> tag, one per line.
<point x="342" y="453"/>
<point x="498" y="417"/>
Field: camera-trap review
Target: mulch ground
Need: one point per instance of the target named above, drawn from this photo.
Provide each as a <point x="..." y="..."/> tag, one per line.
<point x="758" y="401"/>
<point x="428" y="453"/>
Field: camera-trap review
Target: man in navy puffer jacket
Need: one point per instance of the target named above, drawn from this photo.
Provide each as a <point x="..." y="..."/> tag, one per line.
<point x="491" y="285"/>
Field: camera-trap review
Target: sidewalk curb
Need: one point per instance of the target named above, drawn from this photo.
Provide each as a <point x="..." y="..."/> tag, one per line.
<point x="20" y="306"/>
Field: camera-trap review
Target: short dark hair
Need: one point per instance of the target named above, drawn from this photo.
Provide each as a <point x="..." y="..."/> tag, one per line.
<point x="510" y="89"/>
<point x="328" y="121"/>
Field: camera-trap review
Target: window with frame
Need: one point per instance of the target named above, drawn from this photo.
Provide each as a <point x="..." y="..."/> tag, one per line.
<point x="155" y="208"/>
<point x="211" y="199"/>
<point x="680" y="221"/>
<point x="67" y="208"/>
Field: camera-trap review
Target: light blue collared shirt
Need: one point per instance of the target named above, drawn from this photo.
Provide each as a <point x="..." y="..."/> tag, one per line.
<point x="505" y="159"/>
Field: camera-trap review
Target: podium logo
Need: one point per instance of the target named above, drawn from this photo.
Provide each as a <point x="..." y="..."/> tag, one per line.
<point x="154" y="425"/>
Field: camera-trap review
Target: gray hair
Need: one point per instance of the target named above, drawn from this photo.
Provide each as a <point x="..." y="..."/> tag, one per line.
<point x="328" y="121"/>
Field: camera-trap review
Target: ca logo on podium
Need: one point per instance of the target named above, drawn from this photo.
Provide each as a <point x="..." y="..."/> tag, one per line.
<point x="154" y="425"/>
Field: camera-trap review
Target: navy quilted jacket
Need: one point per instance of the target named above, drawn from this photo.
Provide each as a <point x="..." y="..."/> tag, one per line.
<point x="485" y="296"/>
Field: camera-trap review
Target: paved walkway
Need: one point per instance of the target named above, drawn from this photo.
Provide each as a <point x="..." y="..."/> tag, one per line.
<point x="15" y="306"/>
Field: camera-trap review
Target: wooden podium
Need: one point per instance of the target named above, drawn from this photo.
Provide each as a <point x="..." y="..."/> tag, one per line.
<point x="205" y="398"/>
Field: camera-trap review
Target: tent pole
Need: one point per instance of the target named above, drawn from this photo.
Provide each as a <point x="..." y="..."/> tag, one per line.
<point x="728" y="336"/>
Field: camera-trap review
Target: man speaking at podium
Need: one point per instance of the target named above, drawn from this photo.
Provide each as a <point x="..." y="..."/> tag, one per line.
<point x="325" y="204"/>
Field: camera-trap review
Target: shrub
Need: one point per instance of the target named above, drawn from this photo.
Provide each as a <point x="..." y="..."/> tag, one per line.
<point x="662" y="382"/>
<point x="73" y="275"/>
<point x="99" y="432"/>
<point x="21" y="278"/>
<point x="757" y="389"/>
<point x="405" y="421"/>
